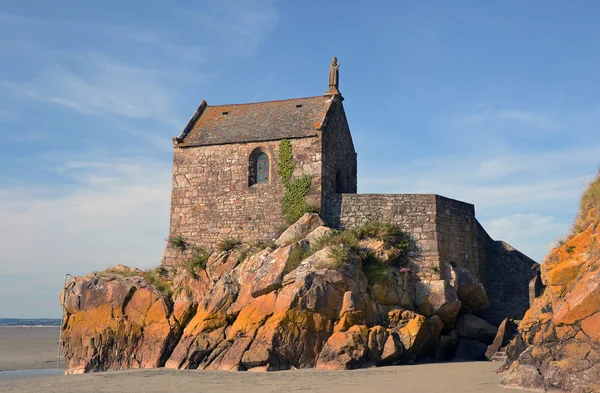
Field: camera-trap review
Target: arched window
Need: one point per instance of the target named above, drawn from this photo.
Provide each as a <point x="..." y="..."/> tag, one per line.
<point x="339" y="182"/>
<point x="258" y="168"/>
<point x="262" y="168"/>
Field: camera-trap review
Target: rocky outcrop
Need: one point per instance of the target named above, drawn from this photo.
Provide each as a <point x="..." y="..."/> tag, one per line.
<point x="290" y="305"/>
<point x="558" y="345"/>
<point x="115" y="322"/>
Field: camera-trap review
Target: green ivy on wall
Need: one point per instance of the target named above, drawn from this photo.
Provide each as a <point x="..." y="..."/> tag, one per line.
<point x="294" y="200"/>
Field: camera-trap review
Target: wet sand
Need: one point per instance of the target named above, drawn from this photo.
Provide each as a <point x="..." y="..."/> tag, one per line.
<point x="28" y="347"/>
<point x="476" y="377"/>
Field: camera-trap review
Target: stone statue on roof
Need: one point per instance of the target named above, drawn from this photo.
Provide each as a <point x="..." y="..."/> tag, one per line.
<point x="334" y="75"/>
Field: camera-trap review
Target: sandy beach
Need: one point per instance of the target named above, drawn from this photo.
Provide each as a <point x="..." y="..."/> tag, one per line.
<point x="30" y="347"/>
<point x="35" y="348"/>
<point x="427" y="378"/>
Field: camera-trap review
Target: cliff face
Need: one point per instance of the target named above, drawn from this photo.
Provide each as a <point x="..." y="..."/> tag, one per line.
<point x="558" y="346"/>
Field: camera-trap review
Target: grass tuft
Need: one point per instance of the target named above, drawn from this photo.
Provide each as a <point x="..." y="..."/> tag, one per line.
<point x="197" y="261"/>
<point x="178" y="242"/>
<point x="228" y="244"/>
<point x="156" y="277"/>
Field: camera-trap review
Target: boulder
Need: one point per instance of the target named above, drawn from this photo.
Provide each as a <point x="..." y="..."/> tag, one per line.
<point x="414" y="334"/>
<point x="470" y="291"/>
<point x="273" y="266"/>
<point x="320" y="232"/>
<point x="468" y="349"/>
<point x="393" y="350"/>
<point x="377" y="340"/>
<point x="437" y="297"/>
<point x="344" y="350"/>
<point x="298" y="230"/>
<point x="523" y="376"/>
<point x="105" y="315"/>
<point x="475" y="328"/>
<point x="447" y="346"/>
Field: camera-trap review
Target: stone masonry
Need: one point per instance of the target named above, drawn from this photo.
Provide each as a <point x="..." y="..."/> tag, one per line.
<point x="444" y="232"/>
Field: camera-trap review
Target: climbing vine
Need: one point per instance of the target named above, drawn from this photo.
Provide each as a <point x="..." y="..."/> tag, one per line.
<point x="294" y="200"/>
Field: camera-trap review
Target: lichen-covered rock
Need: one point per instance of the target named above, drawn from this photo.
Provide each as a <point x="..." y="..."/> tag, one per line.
<point x="116" y="323"/>
<point x="558" y="346"/>
<point x="344" y="350"/>
<point x="319" y="233"/>
<point x="279" y="308"/>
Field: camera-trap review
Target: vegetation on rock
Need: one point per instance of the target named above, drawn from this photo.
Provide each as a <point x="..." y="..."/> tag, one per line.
<point x="197" y="261"/>
<point x="294" y="199"/>
<point x="157" y="278"/>
<point x="178" y="242"/>
<point x="228" y="244"/>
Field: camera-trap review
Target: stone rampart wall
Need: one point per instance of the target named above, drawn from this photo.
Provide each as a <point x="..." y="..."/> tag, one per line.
<point x="505" y="272"/>
<point x="414" y="213"/>
<point x="456" y="228"/>
<point x="445" y="230"/>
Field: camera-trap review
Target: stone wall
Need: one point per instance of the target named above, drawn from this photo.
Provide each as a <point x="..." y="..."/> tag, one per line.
<point x="456" y="228"/>
<point x="339" y="156"/>
<point x="505" y="273"/>
<point x="445" y="230"/>
<point x="414" y="213"/>
<point x="211" y="199"/>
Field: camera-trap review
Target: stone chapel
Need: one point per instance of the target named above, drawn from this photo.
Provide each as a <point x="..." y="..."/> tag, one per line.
<point x="225" y="185"/>
<point x="225" y="181"/>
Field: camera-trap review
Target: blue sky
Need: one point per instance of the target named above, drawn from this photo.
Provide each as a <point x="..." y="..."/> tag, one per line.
<point x="494" y="103"/>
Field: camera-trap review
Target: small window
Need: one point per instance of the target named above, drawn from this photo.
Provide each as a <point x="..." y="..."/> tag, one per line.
<point x="262" y="168"/>
<point x="258" y="168"/>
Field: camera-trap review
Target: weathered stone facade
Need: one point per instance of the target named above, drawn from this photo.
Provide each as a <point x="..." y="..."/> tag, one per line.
<point x="212" y="198"/>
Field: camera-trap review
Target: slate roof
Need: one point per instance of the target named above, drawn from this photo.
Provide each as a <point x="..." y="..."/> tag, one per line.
<point x="260" y="121"/>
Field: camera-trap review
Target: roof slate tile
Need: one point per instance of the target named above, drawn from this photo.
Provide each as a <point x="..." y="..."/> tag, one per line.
<point x="260" y="121"/>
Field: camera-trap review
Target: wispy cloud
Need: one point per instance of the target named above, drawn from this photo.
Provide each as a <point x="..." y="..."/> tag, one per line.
<point x="106" y="89"/>
<point x="487" y="115"/>
<point x="116" y="212"/>
<point x="530" y="118"/>
<point x="106" y="78"/>
<point x="535" y="233"/>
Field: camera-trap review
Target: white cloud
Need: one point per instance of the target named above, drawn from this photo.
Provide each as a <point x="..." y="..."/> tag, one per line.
<point x="530" y="118"/>
<point x="487" y="115"/>
<point x="105" y="89"/>
<point x="117" y="212"/>
<point x="535" y="233"/>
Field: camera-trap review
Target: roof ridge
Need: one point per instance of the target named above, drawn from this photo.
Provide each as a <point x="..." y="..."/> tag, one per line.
<point x="266" y="102"/>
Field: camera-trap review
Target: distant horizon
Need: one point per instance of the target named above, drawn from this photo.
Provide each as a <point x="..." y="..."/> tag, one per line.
<point x="6" y="322"/>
